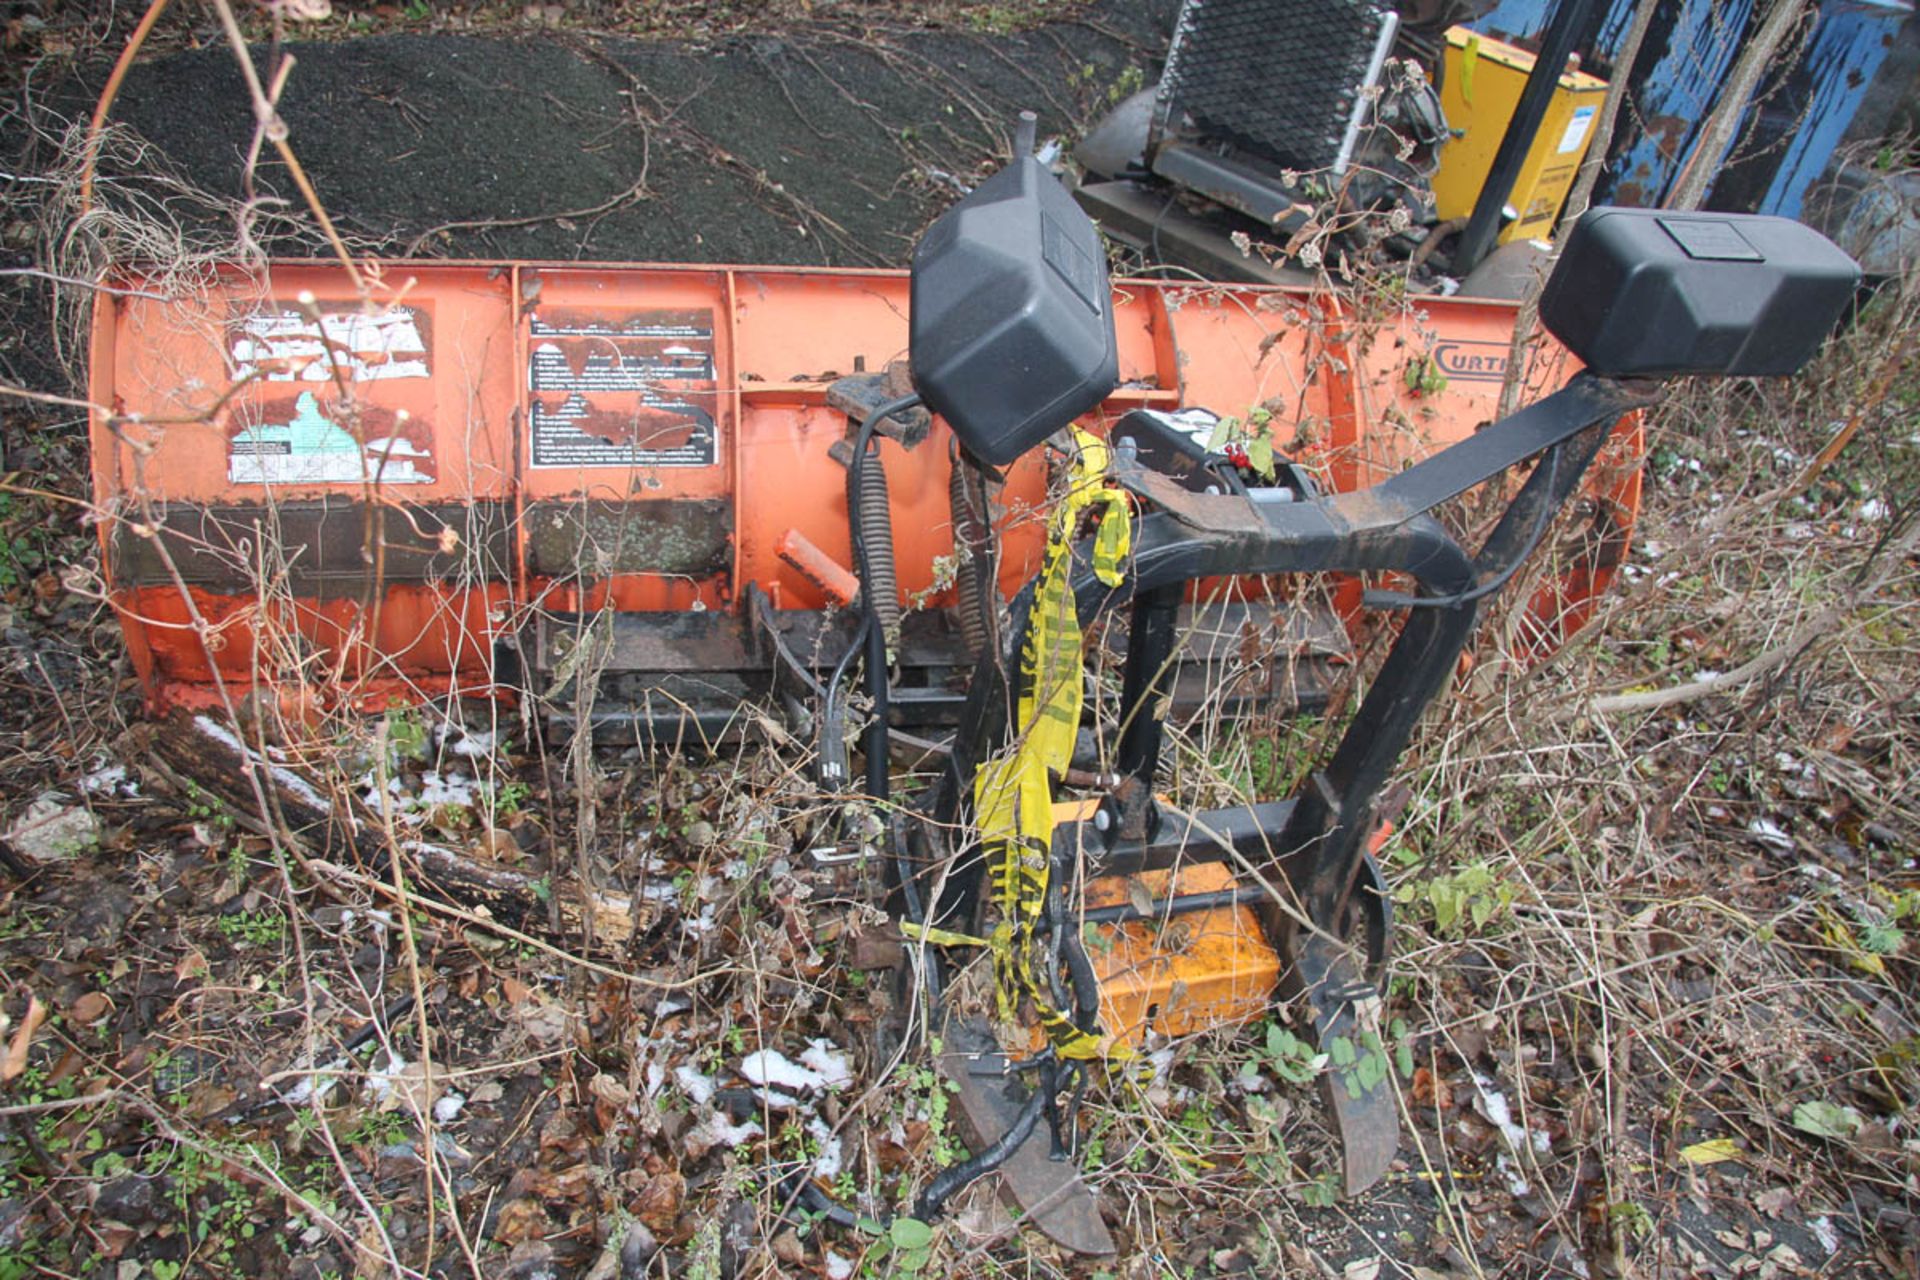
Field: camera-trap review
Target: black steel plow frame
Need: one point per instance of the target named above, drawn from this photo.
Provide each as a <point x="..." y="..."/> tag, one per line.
<point x="1320" y="849"/>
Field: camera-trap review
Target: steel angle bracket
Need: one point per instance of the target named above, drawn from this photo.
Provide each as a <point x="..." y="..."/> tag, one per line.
<point x="1049" y="1192"/>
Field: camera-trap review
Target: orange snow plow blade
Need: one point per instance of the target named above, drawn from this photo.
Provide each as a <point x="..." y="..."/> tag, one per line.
<point x="396" y="497"/>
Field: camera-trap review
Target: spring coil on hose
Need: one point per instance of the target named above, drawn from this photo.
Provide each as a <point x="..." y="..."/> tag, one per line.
<point x="876" y="521"/>
<point x="974" y="544"/>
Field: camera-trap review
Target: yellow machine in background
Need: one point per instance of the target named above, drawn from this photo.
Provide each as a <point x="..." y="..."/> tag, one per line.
<point x="1479" y="91"/>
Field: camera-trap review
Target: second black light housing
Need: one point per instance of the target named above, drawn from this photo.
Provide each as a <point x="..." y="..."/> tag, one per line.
<point x="1012" y="315"/>
<point x="1645" y="293"/>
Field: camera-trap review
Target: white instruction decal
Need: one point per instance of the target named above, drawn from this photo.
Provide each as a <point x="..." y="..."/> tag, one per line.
<point x="309" y="448"/>
<point x="286" y="346"/>
<point x="1576" y="133"/>
<point x="621" y="389"/>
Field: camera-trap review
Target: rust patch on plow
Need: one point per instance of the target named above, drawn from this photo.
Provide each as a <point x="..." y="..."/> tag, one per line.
<point x="319" y="545"/>
<point x="593" y="538"/>
<point x="646" y="427"/>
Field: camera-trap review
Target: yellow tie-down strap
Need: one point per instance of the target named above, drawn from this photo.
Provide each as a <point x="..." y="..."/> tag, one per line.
<point x="1013" y="792"/>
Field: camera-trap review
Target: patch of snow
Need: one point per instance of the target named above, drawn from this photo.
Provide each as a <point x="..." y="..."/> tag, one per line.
<point x="447" y="1110"/>
<point x="1823" y="1231"/>
<point x="1873" y="509"/>
<point x="1161" y="1060"/>
<point x="838" y="1268"/>
<point x="108" y="779"/>
<point x="775" y="1100"/>
<point x="302" y="1092"/>
<point x="695" y="1085"/>
<point x="723" y="1133"/>
<point x="830" y="1062"/>
<point x="829" y="1162"/>
<point x="767" y="1067"/>
<point x="1494" y="1106"/>
<point x="701" y="925"/>
<point x="1769" y="833"/>
<point x="292" y="782"/>
<point x="474" y="745"/>
<point x="380" y="1082"/>
<point x="455" y="789"/>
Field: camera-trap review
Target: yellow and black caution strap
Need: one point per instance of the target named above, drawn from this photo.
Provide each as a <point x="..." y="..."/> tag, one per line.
<point x="1013" y="792"/>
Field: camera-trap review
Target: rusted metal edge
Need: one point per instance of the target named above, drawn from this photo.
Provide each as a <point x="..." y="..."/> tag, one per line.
<point x="317" y="546"/>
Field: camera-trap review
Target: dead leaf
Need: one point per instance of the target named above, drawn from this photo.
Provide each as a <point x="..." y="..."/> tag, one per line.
<point x="1775" y="1202"/>
<point x="371" y="1260"/>
<point x="1429" y="1090"/>
<point x="485" y="1092"/>
<point x="545" y="1022"/>
<point x="191" y="965"/>
<point x="1361" y="1269"/>
<point x="514" y="990"/>
<point x="16" y="1059"/>
<point x="412" y="1090"/>
<point x="496" y="845"/>
<point x="89" y="1008"/>
<point x="208" y="1099"/>
<point x="606" y="1089"/>
<point x="522" y="1219"/>
<point x="787" y="1248"/>
<point x="658" y="1204"/>
<point x="1712" y="1151"/>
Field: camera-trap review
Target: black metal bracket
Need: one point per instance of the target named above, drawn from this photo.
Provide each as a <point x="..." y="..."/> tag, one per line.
<point x="1314" y="845"/>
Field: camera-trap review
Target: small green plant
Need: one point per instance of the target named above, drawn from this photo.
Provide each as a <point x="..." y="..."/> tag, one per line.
<point x="924" y="1086"/>
<point x="905" y="1242"/>
<point x="408" y="737"/>
<point x="254" y="928"/>
<point x="1322" y="1193"/>
<point x="1423" y="376"/>
<point x="505" y="800"/>
<point x="1631" y="1218"/>
<point x="1472" y="893"/>
<point x="1247" y="443"/>
<point x="1289" y="1057"/>
<point x="1361" y="1061"/>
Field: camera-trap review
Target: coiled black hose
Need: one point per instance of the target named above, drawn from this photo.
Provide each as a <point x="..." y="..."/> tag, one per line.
<point x="974" y="576"/>
<point x="880" y="578"/>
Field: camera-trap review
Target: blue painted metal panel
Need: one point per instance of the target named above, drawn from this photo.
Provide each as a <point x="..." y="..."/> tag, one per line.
<point x="1514" y="19"/>
<point x="1681" y="68"/>
<point x="1847" y="46"/>
<point x="1671" y="88"/>
<point x="1689" y="52"/>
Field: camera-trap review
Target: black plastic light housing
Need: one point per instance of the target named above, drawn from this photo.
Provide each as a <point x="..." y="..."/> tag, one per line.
<point x="1649" y="293"/>
<point x="1012" y="316"/>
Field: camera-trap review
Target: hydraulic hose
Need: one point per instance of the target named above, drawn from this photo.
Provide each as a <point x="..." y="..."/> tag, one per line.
<point x="963" y="1175"/>
<point x="880" y="579"/>
<point x="973" y="541"/>
<point x="870" y="522"/>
